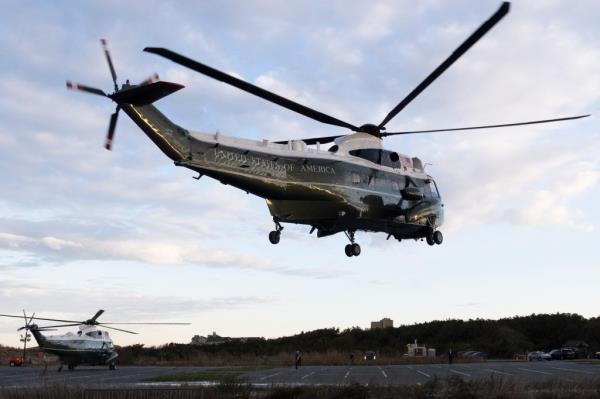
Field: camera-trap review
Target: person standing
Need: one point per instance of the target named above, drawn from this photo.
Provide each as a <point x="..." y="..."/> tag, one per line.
<point x="298" y="359"/>
<point x="450" y="356"/>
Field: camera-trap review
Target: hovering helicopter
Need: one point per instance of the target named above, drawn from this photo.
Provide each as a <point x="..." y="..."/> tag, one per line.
<point x="89" y="345"/>
<point x="353" y="185"/>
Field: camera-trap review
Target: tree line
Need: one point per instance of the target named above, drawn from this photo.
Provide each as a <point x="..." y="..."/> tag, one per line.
<point x="502" y="338"/>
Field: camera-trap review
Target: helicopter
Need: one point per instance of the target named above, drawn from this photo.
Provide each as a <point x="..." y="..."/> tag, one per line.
<point x="354" y="185"/>
<point x="89" y="345"/>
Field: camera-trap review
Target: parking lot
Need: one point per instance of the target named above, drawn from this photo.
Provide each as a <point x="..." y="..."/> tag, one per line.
<point x="312" y="375"/>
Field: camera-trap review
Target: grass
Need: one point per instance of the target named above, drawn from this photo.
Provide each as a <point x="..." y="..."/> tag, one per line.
<point x="447" y="388"/>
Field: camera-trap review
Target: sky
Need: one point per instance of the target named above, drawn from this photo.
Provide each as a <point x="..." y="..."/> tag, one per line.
<point x="82" y="228"/>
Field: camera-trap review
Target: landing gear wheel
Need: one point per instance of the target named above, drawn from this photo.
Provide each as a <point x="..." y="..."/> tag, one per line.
<point x="438" y="237"/>
<point x="112" y="366"/>
<point x="274" y="237"/>
<point x="429" y="239"/>
<point x="348" y="250"/>
<point x="355" y="249"/>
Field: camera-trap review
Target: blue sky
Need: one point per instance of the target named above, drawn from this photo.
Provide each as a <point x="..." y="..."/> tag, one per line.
<point x="82" y="228"/>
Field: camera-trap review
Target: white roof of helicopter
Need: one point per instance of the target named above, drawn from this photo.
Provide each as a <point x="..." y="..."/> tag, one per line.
<point x="85" y="332"/>
<point x="299" y="149"/>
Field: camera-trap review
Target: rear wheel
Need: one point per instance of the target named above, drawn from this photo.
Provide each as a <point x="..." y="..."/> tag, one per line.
<point x="274" y="237"/>
<point x="355" y="249"/>
<point x="348" y="250"/>
<point x="429" y="239"/>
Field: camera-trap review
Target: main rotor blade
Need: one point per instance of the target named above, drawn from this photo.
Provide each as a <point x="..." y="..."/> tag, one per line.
<point x="314" y="140"/>
<point x="109" y="140"/>
<point x="88" y="89"/>
<point x="110" y="64"/>
<point x="250" y="88"/>
<point x="478" y="34"/>
<point x="385" y="134"/>
<point x="40" y="318"/>
<point x="118" y="329"/>
<point x="98" y="313"/>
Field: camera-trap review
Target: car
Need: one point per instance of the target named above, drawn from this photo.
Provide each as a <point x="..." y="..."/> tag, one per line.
<point x="538" y="355"/>
<point x="369" y="355"/>
<point x="597" y="355"/>
<point x="478" y="355"/>
<point x="555" y="354"/>
<point x="15" y="361"/>
<point x="568" y="354"/>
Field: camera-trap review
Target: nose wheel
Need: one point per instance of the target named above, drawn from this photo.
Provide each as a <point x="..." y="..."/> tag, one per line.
<point x="436" y="237"/>
<point x="275" y="235"/>
<point x="352" y="249"/>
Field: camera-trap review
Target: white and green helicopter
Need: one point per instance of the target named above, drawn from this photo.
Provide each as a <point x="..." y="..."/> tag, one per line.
<point x="88" y="345"/>
<point x="353" y="185"/>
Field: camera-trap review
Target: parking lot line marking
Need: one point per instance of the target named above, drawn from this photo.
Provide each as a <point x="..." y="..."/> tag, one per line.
<point x="409" y="367"/>
<point x="536" y="371"/>
<point x="269" y="376"/>
<point x="573" y="370"/>
<point x="437" y="367"/>
<point x="384" y="374"/>
<point x="308" y="375"/>
<point x="460" y="372"/>
<point x="498" y="372"/>
<point x="425" y="374"/>
<point x="347" y="374"/>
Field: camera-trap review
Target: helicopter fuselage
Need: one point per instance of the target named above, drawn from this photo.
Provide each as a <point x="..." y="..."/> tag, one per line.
<point x="88" y="346"/>
<point x="353" y="185"/>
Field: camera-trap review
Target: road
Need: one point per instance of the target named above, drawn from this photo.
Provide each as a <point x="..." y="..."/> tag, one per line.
<point x="133" y="376"/>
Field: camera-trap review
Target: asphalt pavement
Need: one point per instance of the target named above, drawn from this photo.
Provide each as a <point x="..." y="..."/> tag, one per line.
<point x="133" y="376"/>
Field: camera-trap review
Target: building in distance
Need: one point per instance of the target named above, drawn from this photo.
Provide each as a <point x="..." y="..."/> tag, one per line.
<point x="383" y="323"/>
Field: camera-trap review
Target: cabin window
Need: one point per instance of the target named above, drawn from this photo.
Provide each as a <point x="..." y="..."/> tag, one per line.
<point x="333" y="149"/>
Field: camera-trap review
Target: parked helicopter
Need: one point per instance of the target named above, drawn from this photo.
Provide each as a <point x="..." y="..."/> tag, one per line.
<point x="353" y="185"/>
<point x="89" y="345"/>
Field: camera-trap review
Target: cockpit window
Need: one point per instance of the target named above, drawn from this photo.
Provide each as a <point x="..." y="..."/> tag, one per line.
<point x="334" y="148"/>
<point x="378" y="156"/>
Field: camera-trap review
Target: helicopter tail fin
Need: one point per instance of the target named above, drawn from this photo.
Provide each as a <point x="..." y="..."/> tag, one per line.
<point x="146" y="94"/>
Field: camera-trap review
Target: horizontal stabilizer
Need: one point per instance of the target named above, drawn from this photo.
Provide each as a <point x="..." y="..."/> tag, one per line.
<point x="146" y="94"/>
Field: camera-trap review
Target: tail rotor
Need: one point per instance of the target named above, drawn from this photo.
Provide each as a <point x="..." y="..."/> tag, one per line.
<point x="93" y="90"/>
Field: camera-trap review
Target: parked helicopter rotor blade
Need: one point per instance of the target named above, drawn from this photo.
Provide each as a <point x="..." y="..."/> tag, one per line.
<point x="110" y="64"/>
<point x="467" y="44"/>
<point x="313" y="140"/>
<point x="40" y="318"/>
<point x="152" y="79"/>
<point x="31" y="318"/>
<point x="87" y="89"/>
<point x="170" y="324"/>
<point x="385" y="134"/>
<point x="119" y="329"/>
<point x="111" y="132"/>
<point x="93" y="319"/>
<point x="250" y="88"/>
<point x="60" y="325"/>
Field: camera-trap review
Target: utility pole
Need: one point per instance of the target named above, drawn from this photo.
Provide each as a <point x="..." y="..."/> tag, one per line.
<point x="25" y="338"/>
